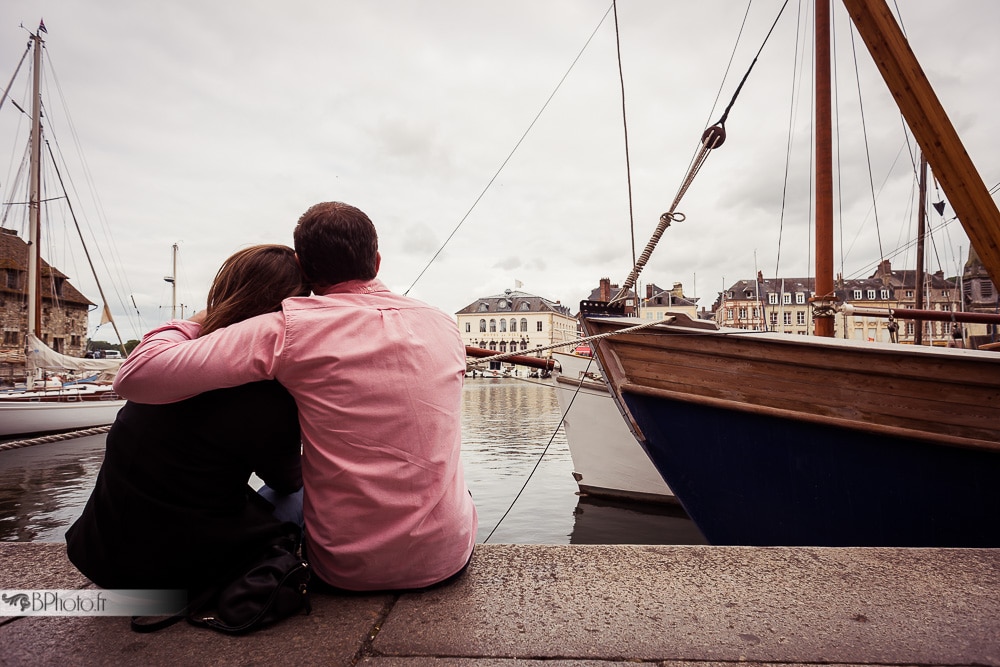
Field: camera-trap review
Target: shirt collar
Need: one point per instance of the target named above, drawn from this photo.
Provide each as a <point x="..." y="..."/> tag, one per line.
<point x="356" y="287"/>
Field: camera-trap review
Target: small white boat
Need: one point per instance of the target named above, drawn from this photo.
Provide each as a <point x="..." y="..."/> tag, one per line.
<point x="608" y="461"/>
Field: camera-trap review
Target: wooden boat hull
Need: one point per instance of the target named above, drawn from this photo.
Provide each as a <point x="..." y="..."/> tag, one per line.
<point x="771" y="439"/>
<point x="607" y="460"/>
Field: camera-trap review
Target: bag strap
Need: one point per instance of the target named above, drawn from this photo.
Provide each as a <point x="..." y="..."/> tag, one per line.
<point x="139" y="625"/>
<point x="215" y="624"/>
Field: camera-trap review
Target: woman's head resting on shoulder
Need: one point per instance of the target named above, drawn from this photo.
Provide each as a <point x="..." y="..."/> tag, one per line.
<point x="252" y="282"/>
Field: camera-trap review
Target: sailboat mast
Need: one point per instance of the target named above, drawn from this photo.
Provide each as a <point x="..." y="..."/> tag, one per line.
<point x="823" y="314"/>
<point x="34" y="198"/>
<point x="918" y="278"/>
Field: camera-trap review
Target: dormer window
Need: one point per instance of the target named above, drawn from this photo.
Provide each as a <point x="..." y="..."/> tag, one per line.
<point x="483" y="307"/>
<point x="772" y="298"/>
<point x="800" y="297"/>
<point x="786" y="299"/>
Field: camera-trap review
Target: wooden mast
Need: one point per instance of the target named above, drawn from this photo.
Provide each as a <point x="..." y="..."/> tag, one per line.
<point x="34" y="198"/>
<point x="822" y="311"/>
<point x="931" y="127"/>
<point x="918" y="276"/>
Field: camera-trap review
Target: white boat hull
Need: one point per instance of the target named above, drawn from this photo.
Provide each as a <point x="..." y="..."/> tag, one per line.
<point x="19" y="418"/>
<point x="608" y="461"/>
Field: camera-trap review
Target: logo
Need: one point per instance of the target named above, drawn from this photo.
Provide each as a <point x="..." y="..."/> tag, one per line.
<point x="18" y="599"/>
<point x="91" y="602"/>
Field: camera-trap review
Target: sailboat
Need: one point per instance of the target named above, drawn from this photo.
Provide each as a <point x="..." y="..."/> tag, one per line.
<point x="48" y="403"/>
<point x="776" y="439"/>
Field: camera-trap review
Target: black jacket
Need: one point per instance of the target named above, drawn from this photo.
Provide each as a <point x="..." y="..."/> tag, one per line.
<point x="171" y="507"/>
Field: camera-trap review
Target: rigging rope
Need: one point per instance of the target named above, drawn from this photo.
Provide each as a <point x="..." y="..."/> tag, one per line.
<point x="17" y="444"/>
<point x="511" y="154"/>
<point x="711" y="139"/>
<point x="576" y="341"/>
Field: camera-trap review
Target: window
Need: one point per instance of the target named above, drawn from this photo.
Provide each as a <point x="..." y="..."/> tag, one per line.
<point x="786" y="298"/>
<point x="503" y="327"/>
<point x="513" y="324"/>
<point x="524" y="306"/>
<point x="482" y="325"/>
<point x="468" y="327"/>
<point x="788" y="318"/>
<point x="857" y="295"/>
<point x="748" y="294"/>
<point x="10" y="338"/>
<point x="772" y="298"/>
<point x="729" y="295"/>
<point x="884" y="294"/>
<point x="908" y="294"/>
<point x="944" y="293"/>
<point x="493" y="326"/>
<point x="503" y="346"/>
<point x="871" y="294"/>
<point x="538" y="325"/>
<point x="909" y="328"/>
<point x="524" y="324"/>
<point x="756" y="312"/>
<point x="483" y="307"/>
<point x="524" y="344"/>
<point x="743" y="312"/>
<point x="774" y="319"/>
<point x="800" y="317"/>
<point x="946" y="307"/>
<point x="729" y="314"/>
<point x="800" y="298"/>
<point x="13" y="279"/>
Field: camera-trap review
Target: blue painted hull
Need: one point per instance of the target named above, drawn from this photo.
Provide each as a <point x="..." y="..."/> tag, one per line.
<point x="753" y="479"/>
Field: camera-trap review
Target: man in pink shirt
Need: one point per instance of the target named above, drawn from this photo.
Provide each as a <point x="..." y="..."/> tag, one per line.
<point x="377" y="379"/>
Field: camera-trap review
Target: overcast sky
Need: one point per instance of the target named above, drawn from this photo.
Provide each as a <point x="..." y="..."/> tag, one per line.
<point x="215" y="124"/>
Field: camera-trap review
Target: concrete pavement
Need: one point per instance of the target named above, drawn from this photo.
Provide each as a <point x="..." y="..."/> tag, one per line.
<point x="579" y="605"/>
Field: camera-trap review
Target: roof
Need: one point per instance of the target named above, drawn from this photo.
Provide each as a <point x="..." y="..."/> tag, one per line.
<point x="14" y="256"/>
<point x="512" y="302"/>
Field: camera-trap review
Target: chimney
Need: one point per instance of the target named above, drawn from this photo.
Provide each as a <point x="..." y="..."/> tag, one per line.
<point x="678" y="291"/>
<point x="605" y="293"/>
<point x="649" y="291"/>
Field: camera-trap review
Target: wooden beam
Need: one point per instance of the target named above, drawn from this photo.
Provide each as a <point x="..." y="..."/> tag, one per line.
<point x="931" y="127"/>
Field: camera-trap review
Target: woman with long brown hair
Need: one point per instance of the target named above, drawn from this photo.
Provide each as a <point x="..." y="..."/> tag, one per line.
<point x="171" y="507"/>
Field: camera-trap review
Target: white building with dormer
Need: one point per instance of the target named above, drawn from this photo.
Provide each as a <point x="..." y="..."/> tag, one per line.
<point x="516" y="321"/>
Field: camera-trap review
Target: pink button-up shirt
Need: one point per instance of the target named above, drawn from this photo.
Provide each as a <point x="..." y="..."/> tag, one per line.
<point x="377" y="378"/>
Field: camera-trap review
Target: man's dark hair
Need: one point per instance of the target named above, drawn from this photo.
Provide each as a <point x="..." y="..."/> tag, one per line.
<point x="336" y="242"/>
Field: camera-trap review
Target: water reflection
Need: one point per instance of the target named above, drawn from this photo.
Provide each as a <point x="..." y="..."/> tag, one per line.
<point x="43" y="488"/>
<point x="507" y="424"/>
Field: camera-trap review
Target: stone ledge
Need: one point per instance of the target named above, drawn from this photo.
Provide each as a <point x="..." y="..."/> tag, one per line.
<point x="581" y="605"/>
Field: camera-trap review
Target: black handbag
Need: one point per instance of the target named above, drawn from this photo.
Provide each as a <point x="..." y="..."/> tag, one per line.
<point x="276" y="586"/>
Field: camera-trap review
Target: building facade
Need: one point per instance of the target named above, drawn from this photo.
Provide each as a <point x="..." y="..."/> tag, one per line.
<point x="783" y="305"/>
<point x="64" y="309"/>
<point x="658" y="302"/>
<point x="516" y="321"/>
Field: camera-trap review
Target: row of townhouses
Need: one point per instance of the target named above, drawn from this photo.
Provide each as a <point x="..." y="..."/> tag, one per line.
<point x="516" y="321"/>
<point x="782" y="304"/>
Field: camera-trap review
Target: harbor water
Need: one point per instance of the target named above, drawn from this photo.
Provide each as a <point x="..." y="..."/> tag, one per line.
<point x="516" y="461"/>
